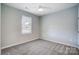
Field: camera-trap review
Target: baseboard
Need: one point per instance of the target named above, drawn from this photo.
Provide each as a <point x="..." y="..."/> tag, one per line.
<point x="42" y="39"/>
<point x="17" y="44"/>
<point x="72" y="45"/>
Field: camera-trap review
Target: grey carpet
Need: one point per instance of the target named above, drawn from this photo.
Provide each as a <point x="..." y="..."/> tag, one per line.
<point x="40" y="47"/>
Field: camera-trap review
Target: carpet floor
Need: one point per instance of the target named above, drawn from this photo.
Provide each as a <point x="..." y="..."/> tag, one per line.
<point x="40" y="47"/>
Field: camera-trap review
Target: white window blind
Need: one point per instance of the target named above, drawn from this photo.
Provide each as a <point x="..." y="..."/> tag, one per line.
<point x="26" y="24"/>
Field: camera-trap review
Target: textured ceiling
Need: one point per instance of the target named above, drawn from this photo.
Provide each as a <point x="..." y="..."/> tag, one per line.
<point x="48" y="7"/>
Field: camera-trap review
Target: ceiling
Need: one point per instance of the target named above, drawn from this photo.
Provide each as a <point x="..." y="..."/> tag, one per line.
<point x="48" y="7"/>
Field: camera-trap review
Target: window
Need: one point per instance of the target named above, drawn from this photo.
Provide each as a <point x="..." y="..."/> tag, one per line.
<point x="26" y="24"/>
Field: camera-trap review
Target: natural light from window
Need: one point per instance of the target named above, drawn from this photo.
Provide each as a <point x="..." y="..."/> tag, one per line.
<point x="26" y="24"/>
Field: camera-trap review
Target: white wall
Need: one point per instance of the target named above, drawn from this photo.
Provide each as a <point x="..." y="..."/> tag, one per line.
<point x="0" y="28"/>
<point x="11" y="27"/>
<point x="78" y="25"/>
<point x="60" y="27"/>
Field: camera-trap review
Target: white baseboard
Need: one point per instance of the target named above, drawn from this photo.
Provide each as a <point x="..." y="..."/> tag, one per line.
<point x="17" y="43"/>
<point x="73" y="45"/>
<point x="69" y="44"/>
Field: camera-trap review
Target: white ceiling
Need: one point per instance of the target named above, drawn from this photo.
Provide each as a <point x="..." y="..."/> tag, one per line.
<point x="48" y="7"/>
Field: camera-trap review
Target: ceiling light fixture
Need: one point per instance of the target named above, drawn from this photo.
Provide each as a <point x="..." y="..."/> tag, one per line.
<point x="40" y="9"/>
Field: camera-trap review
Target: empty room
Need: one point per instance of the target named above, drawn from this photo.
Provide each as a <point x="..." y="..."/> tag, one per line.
<point x="39" y="28"/>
